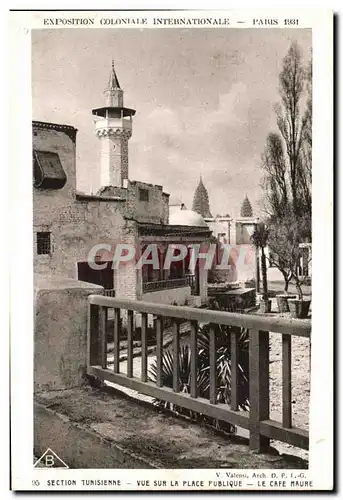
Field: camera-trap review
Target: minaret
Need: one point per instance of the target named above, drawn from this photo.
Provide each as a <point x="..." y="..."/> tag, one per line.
<point x="246" y="208"/>
<point x="201" y="203"/>
<point x="113" y="127"/>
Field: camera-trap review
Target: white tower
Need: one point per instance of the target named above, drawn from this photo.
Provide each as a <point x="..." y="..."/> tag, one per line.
<point x="113" y="127"/>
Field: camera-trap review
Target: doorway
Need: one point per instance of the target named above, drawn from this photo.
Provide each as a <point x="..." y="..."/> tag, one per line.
<point x="103" y="277"/>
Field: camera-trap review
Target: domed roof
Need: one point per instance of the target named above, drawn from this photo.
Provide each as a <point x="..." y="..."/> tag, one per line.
<point x="246" y="209"/>
<point x="187" y="218"/>
<point x="201" y="202"/>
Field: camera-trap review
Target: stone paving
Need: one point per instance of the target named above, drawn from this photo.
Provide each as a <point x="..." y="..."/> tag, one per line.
<point x="116" y="424"/>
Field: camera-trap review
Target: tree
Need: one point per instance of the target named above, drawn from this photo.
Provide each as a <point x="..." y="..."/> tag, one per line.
<point x="287" y="166"/>
<point x="306" y="158"/>
<point x="284" y="238"/>
<point x="275" y="176"/>
<point x="291" y="123"/>
<point x="259" y="239"/>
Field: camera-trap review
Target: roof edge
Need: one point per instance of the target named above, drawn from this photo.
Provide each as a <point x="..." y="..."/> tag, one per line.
<point x="67" y="129"/>
<point x="93" y="197"/>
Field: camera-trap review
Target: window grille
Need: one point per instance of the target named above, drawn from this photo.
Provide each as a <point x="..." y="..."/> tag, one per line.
<point x="44" y="243"/>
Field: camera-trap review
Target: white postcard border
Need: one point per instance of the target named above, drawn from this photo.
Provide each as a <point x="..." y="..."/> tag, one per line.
<point x="20" y="116"/>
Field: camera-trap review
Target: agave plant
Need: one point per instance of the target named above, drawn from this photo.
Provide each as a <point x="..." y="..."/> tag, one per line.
<point x="223" y="363"/>
<point x="184" y="380"/>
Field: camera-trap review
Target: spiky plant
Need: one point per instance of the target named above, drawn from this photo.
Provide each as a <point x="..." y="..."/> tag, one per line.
<point x="223" y="365"/>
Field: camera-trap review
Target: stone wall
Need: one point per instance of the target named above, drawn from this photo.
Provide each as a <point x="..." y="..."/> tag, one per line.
<point x="55" y="209"/>
<point x="60" y="331"/>
<point x="127" y="284"/>
<point x="175" y="296"/>
<point x="75" y="226"/>
<point x="154" y="211"/>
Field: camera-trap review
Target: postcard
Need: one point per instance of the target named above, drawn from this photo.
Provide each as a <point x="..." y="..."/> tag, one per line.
<point x="172" y="172"/>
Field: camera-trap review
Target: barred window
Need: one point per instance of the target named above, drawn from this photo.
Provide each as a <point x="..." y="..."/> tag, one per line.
<point x="43" y="243"/>
<point x="48" y="172"/>
<point x="143" y="194"/>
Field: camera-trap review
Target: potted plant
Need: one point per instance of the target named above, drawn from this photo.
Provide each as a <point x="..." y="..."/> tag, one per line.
<point x="299" y="307"/>
<point x="259" y="239"/>
<point x="285" y="238"/>
<point x="282" y="301"/>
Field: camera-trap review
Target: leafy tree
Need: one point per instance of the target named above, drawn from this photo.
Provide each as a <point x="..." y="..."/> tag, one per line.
<point x="287" y="166"/>
<point x="306" y="158"/>
<point x="275" y="180"/>
<point x="284" y="238"/>
<point x="292" y="123"/>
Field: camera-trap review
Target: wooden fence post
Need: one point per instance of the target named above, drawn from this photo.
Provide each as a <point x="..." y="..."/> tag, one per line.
<point x="258" y="387"/>
<point x="93" y="338"/>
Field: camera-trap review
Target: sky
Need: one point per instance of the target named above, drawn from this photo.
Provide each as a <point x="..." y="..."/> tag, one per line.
<point x="204" y="98"/>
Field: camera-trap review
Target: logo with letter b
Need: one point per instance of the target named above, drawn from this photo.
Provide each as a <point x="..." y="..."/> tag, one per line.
<point x="50" y="459"/>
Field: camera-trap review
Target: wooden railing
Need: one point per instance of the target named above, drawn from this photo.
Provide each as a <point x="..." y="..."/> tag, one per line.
<point x="257" y="421"/>
<point x="109" y="292"/>
<point x="191" y="281"/>
<point x="154" y="286"/>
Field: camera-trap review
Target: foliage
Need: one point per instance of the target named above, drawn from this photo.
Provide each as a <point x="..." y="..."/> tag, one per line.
<point x="287" y="166"/>
<point x="287" y="159"/>
<point x="285" y="235"/>
<point x="275" y="176"/>
<point x="259" y="239"/>
<point x="223" y="365"/>
<point x="293" y="123"/>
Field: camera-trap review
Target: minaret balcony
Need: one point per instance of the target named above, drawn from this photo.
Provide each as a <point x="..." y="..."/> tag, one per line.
<point x="112" y="126"/>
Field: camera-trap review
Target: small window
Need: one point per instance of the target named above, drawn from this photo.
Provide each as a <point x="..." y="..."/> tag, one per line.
<point x="48" y="172"/>
<point x="44" y="243"/>
<point x="143" y="194"/>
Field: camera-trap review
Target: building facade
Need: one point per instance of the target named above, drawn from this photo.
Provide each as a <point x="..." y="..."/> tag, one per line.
<point x="68" y="225"/>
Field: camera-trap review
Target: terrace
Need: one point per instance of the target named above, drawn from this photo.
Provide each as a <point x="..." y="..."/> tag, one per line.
<point x="130" y="433"/>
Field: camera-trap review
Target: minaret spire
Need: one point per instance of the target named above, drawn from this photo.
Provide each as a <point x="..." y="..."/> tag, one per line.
<point x="114" y="95"/>
<point x="113" y="82"/>
<point x="201" y="203"/>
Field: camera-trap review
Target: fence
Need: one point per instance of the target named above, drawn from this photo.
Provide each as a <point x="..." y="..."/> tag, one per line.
<point x="257" y="420"/>
<point x="154" y="286"/>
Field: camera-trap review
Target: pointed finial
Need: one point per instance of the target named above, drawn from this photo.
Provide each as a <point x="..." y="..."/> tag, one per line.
<point x="113" y="82"/>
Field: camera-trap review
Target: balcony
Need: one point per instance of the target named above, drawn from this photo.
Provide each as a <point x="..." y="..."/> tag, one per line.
<point x="155" y="286"/>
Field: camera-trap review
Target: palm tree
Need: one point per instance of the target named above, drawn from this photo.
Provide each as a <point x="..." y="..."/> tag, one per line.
<point x="259" y="239"/>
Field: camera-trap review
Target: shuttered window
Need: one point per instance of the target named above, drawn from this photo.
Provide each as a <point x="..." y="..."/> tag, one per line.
<point x="48" y="172"/>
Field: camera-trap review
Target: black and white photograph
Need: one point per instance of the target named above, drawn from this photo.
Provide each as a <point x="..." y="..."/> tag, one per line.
<point x="173" y="252"/>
